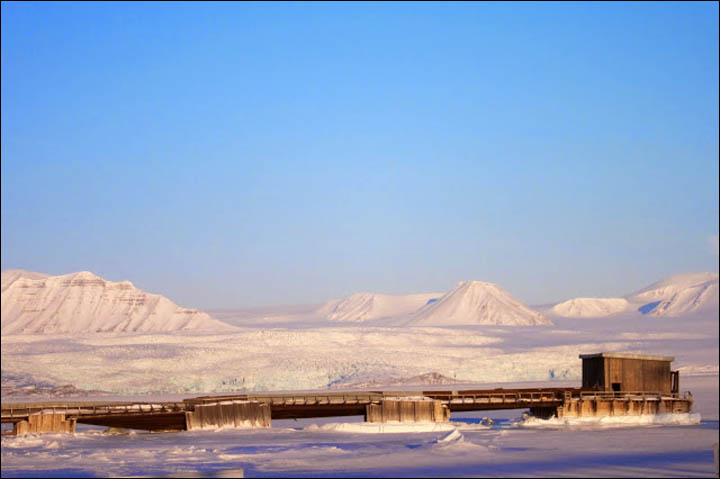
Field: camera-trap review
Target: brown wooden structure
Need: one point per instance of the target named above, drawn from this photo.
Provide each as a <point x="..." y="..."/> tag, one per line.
<point x="613" y="384"/>
<point x="621" y="372"/>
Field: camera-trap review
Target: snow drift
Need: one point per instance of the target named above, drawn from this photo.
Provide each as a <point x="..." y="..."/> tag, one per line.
<point x="670" y="419"/>
<point x="392" y="427"/>
<point x="85" y="303"/>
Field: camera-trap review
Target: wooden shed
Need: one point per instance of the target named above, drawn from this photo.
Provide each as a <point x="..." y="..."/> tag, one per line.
<point x="629" y="372"/>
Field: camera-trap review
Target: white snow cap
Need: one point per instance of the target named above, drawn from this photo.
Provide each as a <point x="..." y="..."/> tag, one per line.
<point x="477" y="302"/>
<point x="590" y="307"/>
<point x="83" y="302"/>
<point x="362" y="307"/>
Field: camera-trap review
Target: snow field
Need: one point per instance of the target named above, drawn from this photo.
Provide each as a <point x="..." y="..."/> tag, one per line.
<point x="273" y="360"/>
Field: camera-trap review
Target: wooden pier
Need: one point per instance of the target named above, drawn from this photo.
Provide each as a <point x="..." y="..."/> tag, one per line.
<point x="257" y="410"/>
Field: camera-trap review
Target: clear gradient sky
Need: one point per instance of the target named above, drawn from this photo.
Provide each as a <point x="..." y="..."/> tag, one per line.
<point x="231" y="155"/>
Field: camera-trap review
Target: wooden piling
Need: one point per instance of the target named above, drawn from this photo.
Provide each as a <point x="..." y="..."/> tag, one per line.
<point x="407" y="410"/>
<point x="228" y="414"/>
<point x="39" y="423"/>
<point x="628" y="406"/>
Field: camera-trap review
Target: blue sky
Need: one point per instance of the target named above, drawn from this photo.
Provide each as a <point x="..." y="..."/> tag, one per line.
<point x="232" y="155"/>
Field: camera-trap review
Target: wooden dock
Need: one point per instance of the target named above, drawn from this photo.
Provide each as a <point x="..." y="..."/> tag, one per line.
<point x="608" y="383"/>
<point x="256" y="410"/>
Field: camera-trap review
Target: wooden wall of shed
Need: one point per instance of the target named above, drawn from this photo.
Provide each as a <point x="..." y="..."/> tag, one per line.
<point x="638" y="375"/>
<point x="632" y="374"/>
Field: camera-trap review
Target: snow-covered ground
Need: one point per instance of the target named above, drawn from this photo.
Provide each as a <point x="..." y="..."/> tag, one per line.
<point x="296" y="357"/>
<point x="336" y="447"/>
<point x="308" y="355"/>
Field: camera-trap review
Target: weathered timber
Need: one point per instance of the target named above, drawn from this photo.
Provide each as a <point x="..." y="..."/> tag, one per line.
<point x="630" y="405"/>
<point x="629" y="372"/>
<point x="228" y="414"/>
<point x="613" y="384"/>
<point x="407" y="410"/>
<point x="39" y="423"/>
<point x="174" y="421"/>
<point x="172" y="416"/>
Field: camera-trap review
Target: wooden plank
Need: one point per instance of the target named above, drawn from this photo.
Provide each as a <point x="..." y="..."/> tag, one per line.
<point x="438" y="415"/>
<point x="21" y="428"/>
<point x="391" y="410"/>
<point x="407" y="411"/>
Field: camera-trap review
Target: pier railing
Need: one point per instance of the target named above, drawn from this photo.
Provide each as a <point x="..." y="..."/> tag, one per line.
<point x="19" y="411"/>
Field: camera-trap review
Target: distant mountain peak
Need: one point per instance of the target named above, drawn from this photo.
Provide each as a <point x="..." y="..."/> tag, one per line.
<point x="362" y="307"/>
<point x="671" y="296"/>
<point x="678" y="294"/>
<point x="9" y="276"/>
<point x="477" y="302"/>
<point x="83" y="302"/>
<point x="590" y="307"/>
<point x="478" y="285"/>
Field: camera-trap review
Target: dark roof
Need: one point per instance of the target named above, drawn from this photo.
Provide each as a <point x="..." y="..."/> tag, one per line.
<point x="627" y="356"/>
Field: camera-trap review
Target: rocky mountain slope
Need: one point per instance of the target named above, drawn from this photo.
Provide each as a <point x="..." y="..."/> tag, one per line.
<point x="85" y="303"/>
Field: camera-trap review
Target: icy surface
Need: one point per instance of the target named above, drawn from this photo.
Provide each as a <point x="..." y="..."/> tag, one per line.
<point x="383" y="428"/>
<point x="352" y="355"/>
<point x="320" y="448"/>
<point x="682" y="419"/>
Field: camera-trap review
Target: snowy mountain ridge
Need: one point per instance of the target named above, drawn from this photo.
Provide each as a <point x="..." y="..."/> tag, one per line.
<point x="678" y="294"/>
<point x="477" y="303"/>
<point x="11" y="275"/>
<point x="672" y="296"/>
<point x="590" y="307"/>
<point x="363" y="307"/>
<point x="85" y="303"/>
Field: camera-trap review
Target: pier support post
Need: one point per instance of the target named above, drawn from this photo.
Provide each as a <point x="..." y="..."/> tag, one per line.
<point x="589" y="407"/>
<point x="402" y="410"/>
<point x="229" y="414"/>
<point x="40" y="423"/>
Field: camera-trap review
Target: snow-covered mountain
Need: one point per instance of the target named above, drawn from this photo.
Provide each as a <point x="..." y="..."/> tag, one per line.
<point x="680" y="294"/>
<point x="590" y="307"/>
<point x="363" y="307"/>
<point x="476" y="302"/>
<point x="84" y="303"/>
<point x="11" y="275"/>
